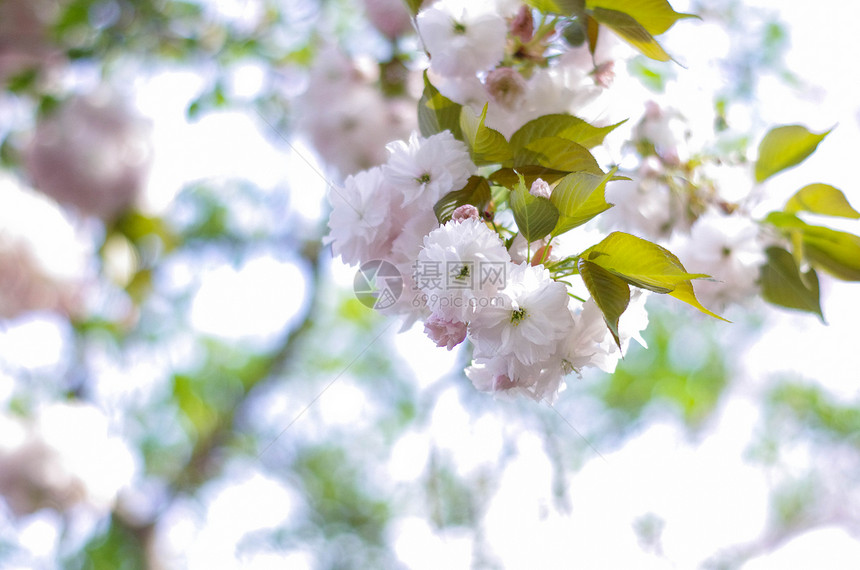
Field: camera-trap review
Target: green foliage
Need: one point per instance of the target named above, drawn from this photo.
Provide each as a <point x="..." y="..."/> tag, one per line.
<point x="510" y="177"/>
<point x="784" y="147"/>
<point x="834" y="251"/>
<point x="535" y="216"/>
<point x="486" y="145"/>
<point x="566" y="7"/>
<point x="579" y="197"/>
<point x="640" y="262"/>
<point x="413" y="5"/>
<point x="631" y="31"/>
<point x="656" y="16"/>
<point x="118" y="549"/>
<point x="437" y="113"/>
<point x="610" y="292"/>
<point x="558" y="154"/>
<point x="783" y="284"/>
<point x="476" y="192"/>
<point x="821" y="199"/>
<point x="815" y="409"/>
<point x="683" y="371"/>
<point x="567" y="127"/>
<point x="654" y="76"/>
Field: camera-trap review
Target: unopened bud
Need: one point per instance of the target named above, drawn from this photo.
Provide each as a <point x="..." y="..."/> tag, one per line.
<point x="540" y="189"/>
<point x="466" y="212"/>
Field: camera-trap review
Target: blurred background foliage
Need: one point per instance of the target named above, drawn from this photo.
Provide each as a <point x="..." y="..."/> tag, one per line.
<point x="319" y="442"/>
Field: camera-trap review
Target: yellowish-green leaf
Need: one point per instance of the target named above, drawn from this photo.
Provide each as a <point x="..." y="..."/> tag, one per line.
<point x="684" y="292"/>
<point x="535" y="216"/>
<point x="509" y="178"/>
<point x="437" y="113"/>
<point x="567" y="127"/>
<point x="656" y="16"/>
<point x="565" y="7"/>
<point x="413" y="6"/>
<point x="486" y="145"/>
<point x="632" y="32"/>
<point x="640" y="262"/>
<point x="476" y="192"/>
<point x="836" y="252"/>
<point x="579" y="197"/>
<point x="610" y="293"/>
<point x="782" y="283"/>
<point x="821" y="199"/>
<point x="558" y="154"/>
<point x="784" y="147"/>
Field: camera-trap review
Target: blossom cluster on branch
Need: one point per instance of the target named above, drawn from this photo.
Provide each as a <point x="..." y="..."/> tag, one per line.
<point x="487" y="213"/>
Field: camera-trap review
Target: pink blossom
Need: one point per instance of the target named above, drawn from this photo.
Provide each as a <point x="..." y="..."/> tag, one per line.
<point x="445" y="332"/>
<point x="540" y="189"/>
<point x="466" y="212"/>
<point x="92" y="154"/>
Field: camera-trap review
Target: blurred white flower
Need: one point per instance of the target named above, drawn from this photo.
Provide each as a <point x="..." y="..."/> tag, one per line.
<point x="346" y="117"/>
<point x="463" y="37"/>
<point x="92" y="153"/>
<point x="388" y="16"/>
<point x="728" y="248"/>
<point x="63" y="457"/>
<point x="25" y="37"/>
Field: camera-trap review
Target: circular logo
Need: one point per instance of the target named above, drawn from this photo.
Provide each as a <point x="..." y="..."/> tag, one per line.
<point x="377" y="284"/>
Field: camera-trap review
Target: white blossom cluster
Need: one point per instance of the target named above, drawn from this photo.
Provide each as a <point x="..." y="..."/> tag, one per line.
<point x="702" y="212"/>
<point x="494" y="52"/>
<point x="460" y="279"/>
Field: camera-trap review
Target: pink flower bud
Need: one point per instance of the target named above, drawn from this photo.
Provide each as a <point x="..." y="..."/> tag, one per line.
<point x="523" y="25"/>
<point x="540" y="189"/>
<point x="506" y="87"/>
<point x="445" y="332"/>
<point x="466" y="212"/>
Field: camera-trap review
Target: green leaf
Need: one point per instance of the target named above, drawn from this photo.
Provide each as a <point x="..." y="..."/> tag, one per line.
<point x="476" y="192"/>
<point x="487" y="146"/>
<point x="565" y="7"/>
<point x="509" y="177"/>
<point x="564" y="126"/>
<point x="579" y="197"/>
<point x="413" y="6"/>
<point x="684" y="292"/>
<point x="836" y="252"/>
<point x="437" y="113"/>
<point x="610" y="292"/>
<point x="632" y="32"/>
<point x="640" y="262"/>
<point x="656" y="16"/>
<point x="558" y="154"/>
<point x="821" y="199"/>
<point x="535" y="216"/>
<point x="784" y="147"/>
<point x="782" y="283"/>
